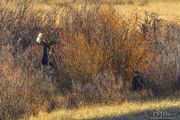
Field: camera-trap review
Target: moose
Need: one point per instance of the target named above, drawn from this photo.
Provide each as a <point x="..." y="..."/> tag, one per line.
<point x="46" y="48"/>
<point x="138" y="82"/>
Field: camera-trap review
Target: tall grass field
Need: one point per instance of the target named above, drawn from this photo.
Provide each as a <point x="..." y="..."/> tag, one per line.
<point x="96" y="60"/>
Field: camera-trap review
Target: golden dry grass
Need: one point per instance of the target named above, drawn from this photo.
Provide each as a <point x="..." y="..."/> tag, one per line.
<point x="168" y="10"/>
<point x="126" y="110"/>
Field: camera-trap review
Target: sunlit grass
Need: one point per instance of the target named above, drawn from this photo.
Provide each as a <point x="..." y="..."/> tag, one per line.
<point x="169" y="10"/>
<point x="100" y="111"/>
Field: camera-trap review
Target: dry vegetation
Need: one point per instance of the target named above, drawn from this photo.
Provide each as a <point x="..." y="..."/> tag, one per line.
<point x="97" y="53"/>
<point x="134" y="111"/>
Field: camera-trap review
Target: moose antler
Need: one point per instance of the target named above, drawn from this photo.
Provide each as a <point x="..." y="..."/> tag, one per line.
<point x="39" y="38"/>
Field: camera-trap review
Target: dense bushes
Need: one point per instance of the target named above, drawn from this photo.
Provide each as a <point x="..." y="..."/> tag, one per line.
<point x="25" y="87"/>
<point x="99" y="41"/>
<point x="97" y="52"/>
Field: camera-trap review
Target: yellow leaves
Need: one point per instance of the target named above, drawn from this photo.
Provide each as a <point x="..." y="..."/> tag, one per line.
<point x="82" y="56"/>
<point x="87" y="57"/>
<point x="112" y="43"/>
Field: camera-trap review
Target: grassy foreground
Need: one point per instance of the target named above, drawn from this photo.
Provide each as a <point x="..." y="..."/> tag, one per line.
<point x="125" y="111"/>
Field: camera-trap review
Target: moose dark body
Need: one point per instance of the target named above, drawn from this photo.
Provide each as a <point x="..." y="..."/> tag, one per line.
<point x="46" y="50"/>
<point x="137" y="82"/>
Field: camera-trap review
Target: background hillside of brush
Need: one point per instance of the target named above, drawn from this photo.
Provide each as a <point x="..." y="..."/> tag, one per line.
<point x="97" y="53"/>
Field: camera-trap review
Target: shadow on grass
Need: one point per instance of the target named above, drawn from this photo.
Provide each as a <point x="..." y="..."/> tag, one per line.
<point x="172" y="113"/>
